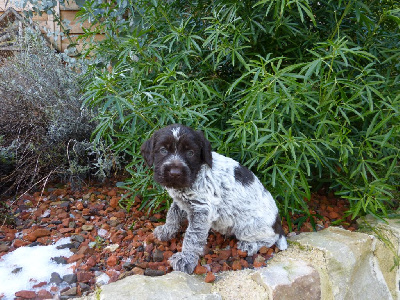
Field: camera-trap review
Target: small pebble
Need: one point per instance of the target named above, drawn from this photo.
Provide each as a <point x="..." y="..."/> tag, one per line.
<point x="152" y="273"/>
<point x="16" y="270"/>
<point x="158" y="256"/>
<point x="70" y="278"/>
<point x="128" y="266"/>
<point x="59" y="260"/>
<point x="84" y="287"/>
<point x="210" y="277"/>
<point x="64" y="246"/>
<point x="87" y="227"/>
<point x="77" y="238"/>
<point x="70" y="292"/>
<point x="55" y="278"/>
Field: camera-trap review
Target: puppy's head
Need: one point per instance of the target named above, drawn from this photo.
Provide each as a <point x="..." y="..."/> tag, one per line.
<point x="177" y="153"/>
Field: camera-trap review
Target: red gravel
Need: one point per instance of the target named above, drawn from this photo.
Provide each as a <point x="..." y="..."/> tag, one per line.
<point x="97" y="224"/>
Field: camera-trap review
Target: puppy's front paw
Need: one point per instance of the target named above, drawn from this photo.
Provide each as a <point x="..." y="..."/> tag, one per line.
<point x="184" y="261"/>
<point x="164" y="233"/>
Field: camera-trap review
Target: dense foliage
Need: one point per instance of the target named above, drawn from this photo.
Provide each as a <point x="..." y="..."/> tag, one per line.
<point x="305" y="93"/>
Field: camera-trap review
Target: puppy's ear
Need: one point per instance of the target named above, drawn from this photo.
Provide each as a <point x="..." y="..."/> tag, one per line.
<point x="147" y="151"/>
<point x="206" y="155"/>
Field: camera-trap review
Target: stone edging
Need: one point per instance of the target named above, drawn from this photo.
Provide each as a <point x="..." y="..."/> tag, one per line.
<point x="331" y="264"/>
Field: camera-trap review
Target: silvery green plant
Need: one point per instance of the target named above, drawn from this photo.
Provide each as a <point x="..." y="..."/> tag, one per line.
<point x="42" y="121"/>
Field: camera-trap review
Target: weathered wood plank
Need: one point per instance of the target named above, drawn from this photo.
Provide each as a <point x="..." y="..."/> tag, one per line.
<point x="76" y="27"/>
<point x="69" y="6"/>
<point x="65" y="42"/>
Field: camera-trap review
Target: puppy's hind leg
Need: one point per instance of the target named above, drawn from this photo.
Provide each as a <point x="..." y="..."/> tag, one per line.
<point x="175" y="217"/>
<point x="281" y="240"/>
<point x="266" y="240"/>
<point x="249" y="247"/>
<point x="282" y="243"/>
<point x="253" y="247"/>
<point x="258" y="234"/>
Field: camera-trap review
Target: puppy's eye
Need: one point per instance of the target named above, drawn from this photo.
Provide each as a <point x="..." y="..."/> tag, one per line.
<point x="163" y="151"/>
<point x="190" y="153"/>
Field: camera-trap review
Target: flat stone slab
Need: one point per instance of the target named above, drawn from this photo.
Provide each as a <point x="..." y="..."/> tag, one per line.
<point x="172" y="286"/>
<point x="346" y="263"/>
<point x="291" y="279"/>
<point x="386" y="248"/>
<point x="240" y="285"/>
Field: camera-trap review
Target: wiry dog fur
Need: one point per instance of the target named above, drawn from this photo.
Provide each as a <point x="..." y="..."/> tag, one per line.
<point x="211" y="191"/>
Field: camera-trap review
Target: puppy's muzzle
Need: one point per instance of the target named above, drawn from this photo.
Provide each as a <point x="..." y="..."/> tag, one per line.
<point x="174" y="172"/>
<point x="175" y="169"/>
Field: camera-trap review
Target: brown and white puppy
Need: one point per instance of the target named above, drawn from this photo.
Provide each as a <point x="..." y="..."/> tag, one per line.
<point x="211" y="191"/>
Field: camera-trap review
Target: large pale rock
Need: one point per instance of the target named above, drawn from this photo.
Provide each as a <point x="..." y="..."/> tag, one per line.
<point x="291" y="279"/>
<point x="239" y="285"/>
<point x="387" y="247"/>
<point x="345" y="261"/>
<point x="175" y="285"/>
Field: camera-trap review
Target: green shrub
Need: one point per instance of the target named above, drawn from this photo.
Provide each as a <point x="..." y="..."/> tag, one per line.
<point x="305" y="93"/>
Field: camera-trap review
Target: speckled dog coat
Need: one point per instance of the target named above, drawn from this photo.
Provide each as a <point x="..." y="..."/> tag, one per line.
<point x="211" y="191"/>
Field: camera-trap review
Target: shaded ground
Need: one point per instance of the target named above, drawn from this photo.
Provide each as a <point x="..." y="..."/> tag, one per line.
<point x="110" y="243"/>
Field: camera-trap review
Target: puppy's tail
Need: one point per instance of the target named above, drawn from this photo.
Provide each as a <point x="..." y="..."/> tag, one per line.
<point x="282" y="243"/>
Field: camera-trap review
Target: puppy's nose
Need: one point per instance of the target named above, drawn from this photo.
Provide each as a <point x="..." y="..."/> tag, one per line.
<point x="175" y="172"/>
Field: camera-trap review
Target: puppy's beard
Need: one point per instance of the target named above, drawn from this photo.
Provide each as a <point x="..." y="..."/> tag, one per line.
<point x="162" y="177"/>
<point x="172" y="183"/>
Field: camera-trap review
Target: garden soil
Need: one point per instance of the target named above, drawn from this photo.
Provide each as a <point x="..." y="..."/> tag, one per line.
<point x="110" y="242"/>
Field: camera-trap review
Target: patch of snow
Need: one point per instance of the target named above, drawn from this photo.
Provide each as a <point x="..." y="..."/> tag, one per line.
<point x="102" y="232"/>
<point x="19" y="235"/>
<point x="36" y="266"/>
<point x="102" y="279"/>
<point x="46" y="213"/>
<point x="112" y="247"/>
<point x="92" y="244"/>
